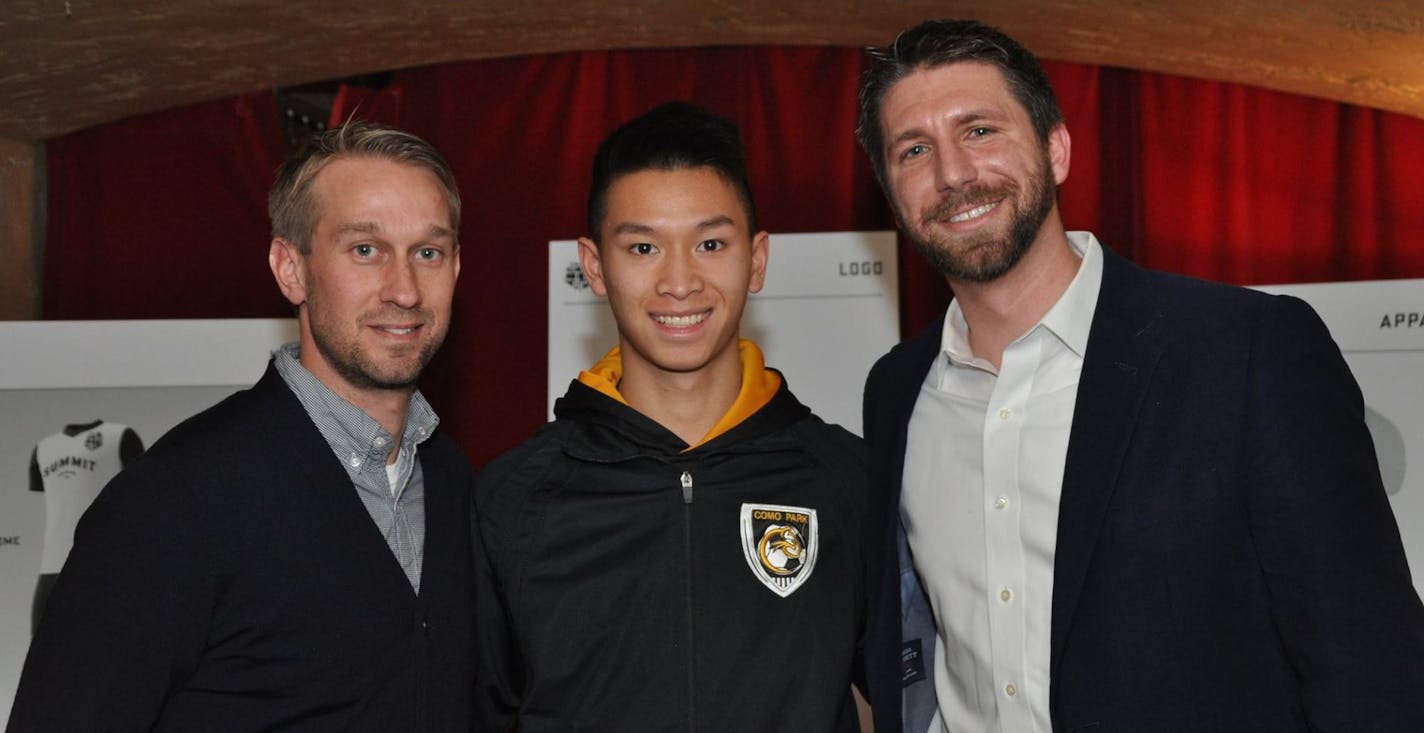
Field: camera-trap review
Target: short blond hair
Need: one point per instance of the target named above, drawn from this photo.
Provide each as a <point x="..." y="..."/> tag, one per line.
<point x="289" y="204"/>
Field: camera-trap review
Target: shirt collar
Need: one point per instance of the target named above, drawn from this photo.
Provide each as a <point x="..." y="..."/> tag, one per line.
<point x="1070" y="319"/>
<point x="347" y="428"/>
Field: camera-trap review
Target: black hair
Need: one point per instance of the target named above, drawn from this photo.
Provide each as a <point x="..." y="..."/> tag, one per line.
<point x="671" y="136"/>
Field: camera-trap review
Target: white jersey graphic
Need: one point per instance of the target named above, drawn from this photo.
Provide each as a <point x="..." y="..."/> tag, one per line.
<point x="71" y="467"/>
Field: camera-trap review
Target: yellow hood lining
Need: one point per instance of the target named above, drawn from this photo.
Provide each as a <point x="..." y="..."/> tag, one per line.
<point x="759" y="385"/>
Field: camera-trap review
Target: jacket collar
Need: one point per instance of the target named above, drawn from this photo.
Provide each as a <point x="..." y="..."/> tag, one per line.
<point x="1125" y="344"/>
<point x="606" y="430"/>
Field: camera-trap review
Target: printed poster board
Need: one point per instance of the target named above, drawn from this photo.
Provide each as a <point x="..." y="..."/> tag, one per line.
<point x="91" y="377"/>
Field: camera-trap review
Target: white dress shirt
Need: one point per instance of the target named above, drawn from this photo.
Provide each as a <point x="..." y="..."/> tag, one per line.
<point x="983" y="473"/>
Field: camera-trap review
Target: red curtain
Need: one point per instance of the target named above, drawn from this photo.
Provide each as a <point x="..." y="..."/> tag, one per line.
<point x="164" y="216"/>
<point x="1251" y="186"/>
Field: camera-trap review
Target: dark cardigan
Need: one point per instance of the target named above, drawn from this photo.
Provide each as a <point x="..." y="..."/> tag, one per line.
<point x="231" y="579"/>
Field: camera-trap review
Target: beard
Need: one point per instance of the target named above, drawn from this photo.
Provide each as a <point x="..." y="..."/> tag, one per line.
<point x="364" y="370"/>
<point x="985" y="256"/>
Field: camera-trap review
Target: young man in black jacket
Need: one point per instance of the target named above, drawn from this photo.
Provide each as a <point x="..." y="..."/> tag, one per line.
<point x="680" y="548"/>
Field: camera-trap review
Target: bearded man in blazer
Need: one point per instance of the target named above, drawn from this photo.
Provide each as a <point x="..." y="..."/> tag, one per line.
<point x="1105" y="498"/>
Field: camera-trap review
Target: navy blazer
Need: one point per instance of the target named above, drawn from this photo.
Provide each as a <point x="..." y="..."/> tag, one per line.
<point x="231" y="579"/>
<point x="1227" y="558"/>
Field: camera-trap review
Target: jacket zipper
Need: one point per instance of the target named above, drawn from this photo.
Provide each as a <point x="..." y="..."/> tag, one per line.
<point x="687" y="586"/>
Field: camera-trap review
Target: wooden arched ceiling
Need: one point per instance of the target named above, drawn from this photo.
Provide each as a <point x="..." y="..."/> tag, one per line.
<point x="69" y="65"/>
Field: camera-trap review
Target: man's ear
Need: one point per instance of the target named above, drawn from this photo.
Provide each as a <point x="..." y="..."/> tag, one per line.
<point x="289" y="270"/>
<point x="592" y="265"/>
<point x="1060" y="147"/>
<point x="761" y="252"/>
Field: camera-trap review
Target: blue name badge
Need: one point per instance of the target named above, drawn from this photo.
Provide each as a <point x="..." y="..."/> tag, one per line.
<point x="912" y="663"/>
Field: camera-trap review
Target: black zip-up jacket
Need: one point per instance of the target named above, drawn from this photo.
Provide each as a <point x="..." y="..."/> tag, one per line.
<point x="619" y="587"/>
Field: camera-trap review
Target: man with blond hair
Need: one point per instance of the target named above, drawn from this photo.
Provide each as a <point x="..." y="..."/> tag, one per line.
<point x="295" y="557"/>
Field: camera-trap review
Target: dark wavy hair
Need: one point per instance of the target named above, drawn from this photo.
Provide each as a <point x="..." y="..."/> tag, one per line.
<point x="935" y="43"/>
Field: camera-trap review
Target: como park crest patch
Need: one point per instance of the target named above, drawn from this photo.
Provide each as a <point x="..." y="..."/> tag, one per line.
<point x="780" y="544"/>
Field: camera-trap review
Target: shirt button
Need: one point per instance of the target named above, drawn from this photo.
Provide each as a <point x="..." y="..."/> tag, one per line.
<point x="1006" y="595"/>
<point x="1001" y="502"/>
<point x="1005" y="413"/>
<point x="1011" y="690"/>
<point x="380" y="442"/>
<point x="355" y="461"/>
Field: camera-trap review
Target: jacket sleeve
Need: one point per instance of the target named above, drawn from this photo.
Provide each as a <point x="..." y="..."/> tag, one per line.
<point x="127" y="619"/>
<point x="498" y="674"/>
<point x="1342" y="597"/>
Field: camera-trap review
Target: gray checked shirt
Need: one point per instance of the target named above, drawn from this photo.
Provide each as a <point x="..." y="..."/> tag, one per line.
<point x="395" y="496"/>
